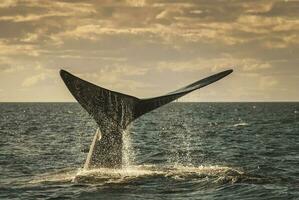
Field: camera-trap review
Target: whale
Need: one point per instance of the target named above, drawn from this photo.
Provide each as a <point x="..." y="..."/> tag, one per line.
<point x="114" y="111"/>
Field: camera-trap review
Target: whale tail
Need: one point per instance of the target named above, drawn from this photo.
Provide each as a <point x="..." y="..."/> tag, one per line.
<point x="114" y="111"/>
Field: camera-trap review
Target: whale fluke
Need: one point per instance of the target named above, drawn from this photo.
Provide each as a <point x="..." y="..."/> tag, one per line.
<point x="114" y="111"/>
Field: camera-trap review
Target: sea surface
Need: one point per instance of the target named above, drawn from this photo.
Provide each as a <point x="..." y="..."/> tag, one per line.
<point x="179" y="151"/>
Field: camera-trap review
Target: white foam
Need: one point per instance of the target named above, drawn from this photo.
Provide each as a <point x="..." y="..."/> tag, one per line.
<point x="241" y="124"/>
<point x="106" y="175"/>
<point x="62" y="176"/>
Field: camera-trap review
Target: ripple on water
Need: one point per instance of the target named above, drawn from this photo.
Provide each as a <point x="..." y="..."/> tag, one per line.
<point x="173" y="142"/>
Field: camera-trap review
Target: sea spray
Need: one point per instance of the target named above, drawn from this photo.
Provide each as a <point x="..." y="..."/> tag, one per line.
<point x="127" y="151"/>
<point x="181" y="153"/>
<point x="187" y="160"/>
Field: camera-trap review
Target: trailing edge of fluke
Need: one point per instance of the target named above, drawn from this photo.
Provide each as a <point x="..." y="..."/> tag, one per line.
<point x="114" y="111"/>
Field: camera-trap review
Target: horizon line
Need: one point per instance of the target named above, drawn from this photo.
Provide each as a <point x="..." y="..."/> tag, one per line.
<point x="257" y="101"/>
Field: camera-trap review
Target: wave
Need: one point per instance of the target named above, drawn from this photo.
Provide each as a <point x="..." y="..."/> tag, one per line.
<point x="241" y="124"/>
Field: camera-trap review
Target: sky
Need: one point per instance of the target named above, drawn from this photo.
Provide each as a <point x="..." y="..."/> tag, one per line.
<point x="150" y="47"/>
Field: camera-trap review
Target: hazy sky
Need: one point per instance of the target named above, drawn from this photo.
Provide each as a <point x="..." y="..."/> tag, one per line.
<point x="147" y="48"/>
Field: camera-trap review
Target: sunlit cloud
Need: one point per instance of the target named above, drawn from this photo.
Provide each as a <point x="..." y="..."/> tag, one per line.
<point x="129" y="45"/>
<point x="8" y="3"/>
<point x="33" y="80"/>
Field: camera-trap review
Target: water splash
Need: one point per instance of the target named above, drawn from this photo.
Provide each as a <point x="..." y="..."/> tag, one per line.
<point x="127" y="151"/>
<point x="187" y="144"/>
<point x="180" y="154"/>
<point x="213" y="174"/>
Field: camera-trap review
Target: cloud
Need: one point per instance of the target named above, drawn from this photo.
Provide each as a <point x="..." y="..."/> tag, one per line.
<point x="33" y="80"/>
<point x="8" y="49"/>
<point x="8" y="3"/>
<point x="216" y="64"/>
<point x="50" y="9"/>
<point x="267" y="82"/>
<point x="178" y="22"/>
<point x="167" y="21"/>
<point x="131" y="43"/>
<point x="6" y="66"/>
<point x="136" y="3"/>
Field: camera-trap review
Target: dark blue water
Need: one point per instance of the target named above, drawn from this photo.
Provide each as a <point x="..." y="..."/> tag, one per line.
<point x="180" y="151"/>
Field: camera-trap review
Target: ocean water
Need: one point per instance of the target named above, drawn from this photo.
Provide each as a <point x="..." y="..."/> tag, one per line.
<point x="180" y="151"/>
